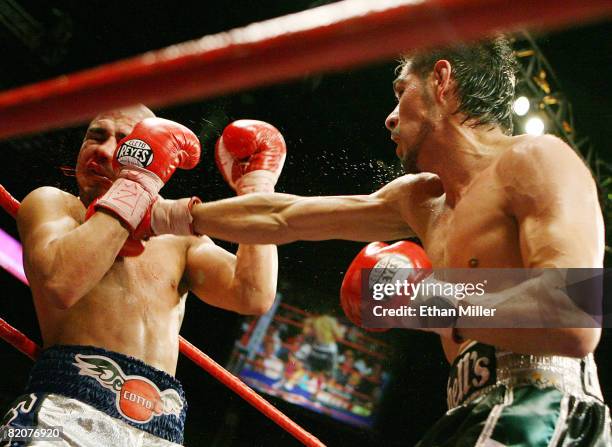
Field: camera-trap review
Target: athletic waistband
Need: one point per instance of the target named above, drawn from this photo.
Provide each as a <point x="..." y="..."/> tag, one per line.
<point x="331" y="348"/>
<point x="478" y="368"/>
<point x="119" y="385"/>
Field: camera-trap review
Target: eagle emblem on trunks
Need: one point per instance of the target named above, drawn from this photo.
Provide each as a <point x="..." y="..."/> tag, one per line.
<point x="137" y="398"/>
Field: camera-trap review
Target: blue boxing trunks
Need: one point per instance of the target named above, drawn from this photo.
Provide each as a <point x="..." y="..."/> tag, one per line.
<point x="499" y="399"/>
<point x="87" y="396"/>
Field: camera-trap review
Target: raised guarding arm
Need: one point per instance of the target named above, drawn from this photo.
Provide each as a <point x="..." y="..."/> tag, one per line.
<point x="51" y="232"/>
<point x="250" y="155"/>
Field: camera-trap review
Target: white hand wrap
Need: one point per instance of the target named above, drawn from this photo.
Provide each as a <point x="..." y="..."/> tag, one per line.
<point x="131" y="195"/>
<point x="173" y="216"/>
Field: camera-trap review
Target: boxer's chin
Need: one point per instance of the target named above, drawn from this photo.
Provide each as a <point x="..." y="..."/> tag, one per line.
<point x="409" y="162"/>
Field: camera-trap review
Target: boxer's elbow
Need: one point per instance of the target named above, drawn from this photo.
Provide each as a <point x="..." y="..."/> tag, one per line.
<point x="306" y="219"/>
<point x="266" y="218"/>
<point x="279" y="229"/>
<point x="60" y="294"/>
<point x="259" y="308"/>
<point x="261" y="304"/>
<point x="255" y="301"/>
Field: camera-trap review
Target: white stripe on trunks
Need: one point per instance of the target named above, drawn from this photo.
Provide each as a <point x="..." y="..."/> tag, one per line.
<point x="485" y="436"/>
<point x="561" y="424"/>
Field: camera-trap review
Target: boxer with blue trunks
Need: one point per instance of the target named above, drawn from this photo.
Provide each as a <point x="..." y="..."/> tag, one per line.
<point x="98" y="397"/>
<point x="110" y="271"/>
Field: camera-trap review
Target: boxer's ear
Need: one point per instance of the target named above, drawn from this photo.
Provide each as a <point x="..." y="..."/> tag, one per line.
<point x="443" y="88"/>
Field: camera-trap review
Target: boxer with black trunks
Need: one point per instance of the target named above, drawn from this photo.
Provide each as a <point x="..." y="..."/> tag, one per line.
<point x="110" y="271"/>
<point x="322" y="331"/>
<point x="476" y="197"/>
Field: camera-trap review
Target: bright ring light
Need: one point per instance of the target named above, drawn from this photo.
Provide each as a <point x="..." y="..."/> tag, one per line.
<point x="521" y="105"/>
<point x="534" y="126"/>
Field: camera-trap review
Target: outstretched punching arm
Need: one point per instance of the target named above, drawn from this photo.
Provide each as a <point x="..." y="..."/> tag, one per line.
<point x="386" y="214"/>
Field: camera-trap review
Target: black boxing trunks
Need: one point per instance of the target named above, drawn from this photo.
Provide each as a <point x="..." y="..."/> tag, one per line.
<point x="499" y="399"/>
<point x="96" y="397"/>
<point x="322" y="357"/>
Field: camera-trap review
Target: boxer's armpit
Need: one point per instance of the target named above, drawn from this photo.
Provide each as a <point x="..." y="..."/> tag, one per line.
<point x="413" y="197"/>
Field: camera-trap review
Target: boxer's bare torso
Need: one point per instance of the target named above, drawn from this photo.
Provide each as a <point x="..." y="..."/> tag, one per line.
<point x="482" y="229"/>
<point x="477" y="232"/>
<point x="136" y="309"/>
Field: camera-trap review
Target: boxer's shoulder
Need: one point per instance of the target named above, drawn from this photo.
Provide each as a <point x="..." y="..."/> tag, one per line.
<point x="541" y="168"/>
<point x="415" y="197"/>
<point x="50" y="194"/>
<point x="49" y="203"/>
<point x="527" y="153"/>
<point x="180" y="248"/>
<point x="195" y="241"/>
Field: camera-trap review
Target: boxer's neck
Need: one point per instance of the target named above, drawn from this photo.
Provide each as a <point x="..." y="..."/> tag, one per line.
<point x="457" y="153"/>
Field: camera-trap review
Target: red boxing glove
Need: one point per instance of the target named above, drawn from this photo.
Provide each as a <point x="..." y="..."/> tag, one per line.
<point x="146" y="159"/>
<point x="384" y="258"/>
<point x="250" y="155"/>
<point x="159" y="146"/>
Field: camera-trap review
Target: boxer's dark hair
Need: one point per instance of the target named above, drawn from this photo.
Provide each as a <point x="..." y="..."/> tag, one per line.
<point x="485" y="74"/>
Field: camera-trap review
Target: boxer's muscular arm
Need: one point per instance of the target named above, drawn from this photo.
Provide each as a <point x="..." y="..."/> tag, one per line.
<point x="386" y="214"/>
<point x="554" y="200"/>
<point x="64" y="260"/>
<point x="243" y="283"/>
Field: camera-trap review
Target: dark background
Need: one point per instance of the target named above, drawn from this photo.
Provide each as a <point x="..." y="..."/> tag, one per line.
<point x="334" y="128"/>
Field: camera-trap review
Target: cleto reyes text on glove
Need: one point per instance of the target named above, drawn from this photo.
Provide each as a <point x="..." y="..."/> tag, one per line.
<point x="145" y="160"/>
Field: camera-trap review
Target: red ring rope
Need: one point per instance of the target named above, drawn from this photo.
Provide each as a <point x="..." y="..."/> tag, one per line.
<point x="9" y="203"/>
<point x="31" y="349"/>
<point x="19" y="340"/>
<point x="236" y="385"/>
<point x="329" y="37"/>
